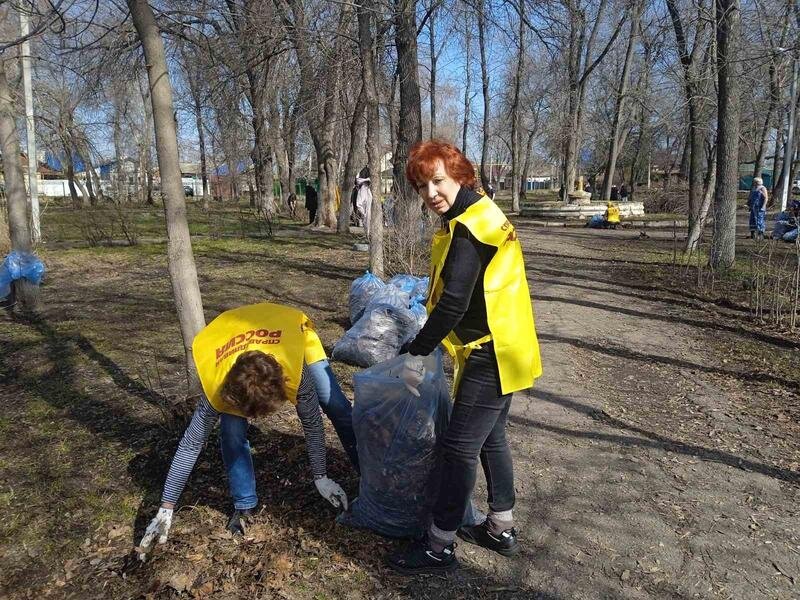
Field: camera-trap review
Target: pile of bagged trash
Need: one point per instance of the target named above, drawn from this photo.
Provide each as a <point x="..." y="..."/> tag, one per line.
<point x="786" y="227"/>
<point x="19" y="265"/>
<point x="384" y="317"/>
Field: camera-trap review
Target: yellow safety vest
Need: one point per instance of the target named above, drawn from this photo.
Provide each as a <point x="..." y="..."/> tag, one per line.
<point x="508" y="302"/>
<point x="613" y="214"/>
<point x="284" y="332"/>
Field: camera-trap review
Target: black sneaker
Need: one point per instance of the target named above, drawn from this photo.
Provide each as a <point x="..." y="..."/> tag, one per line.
<point x="239" y="521"/>
<point x="505" y="544"/>
<point x="420" y="559"/>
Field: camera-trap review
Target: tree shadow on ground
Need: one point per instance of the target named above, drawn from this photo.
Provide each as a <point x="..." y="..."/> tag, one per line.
<point x="735" y="329"/>
<point x="647" y="439"/>
<point x="532" y="267"/>
<point x="607" y="348"/>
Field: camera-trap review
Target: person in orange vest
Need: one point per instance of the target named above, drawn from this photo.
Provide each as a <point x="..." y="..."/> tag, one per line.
<point x="479" y="309"/>
<point x="251" y="361"/>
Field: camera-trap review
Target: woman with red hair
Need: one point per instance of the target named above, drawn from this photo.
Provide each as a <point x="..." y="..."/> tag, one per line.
<point x="479" y="308"/>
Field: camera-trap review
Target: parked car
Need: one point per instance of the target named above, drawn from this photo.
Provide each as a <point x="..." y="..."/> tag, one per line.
<point x="188" y="190"/>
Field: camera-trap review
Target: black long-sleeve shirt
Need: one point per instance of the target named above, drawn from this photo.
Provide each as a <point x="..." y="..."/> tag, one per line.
<point x="462" y="305"/>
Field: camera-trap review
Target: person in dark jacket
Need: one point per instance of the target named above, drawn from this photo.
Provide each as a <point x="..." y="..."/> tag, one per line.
<point x="311" y="203"/>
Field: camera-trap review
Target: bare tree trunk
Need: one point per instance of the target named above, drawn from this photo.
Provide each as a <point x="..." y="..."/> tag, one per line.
<point x="777" y="155"/>
<point x="194" y="90"/>
<point x="615" y="143"/>
<point x="18" y="228"/>
<point x="728" y="18"/>
<point x="77" y="201"/>
<point x="183" y="274"/>
<point x="409" y="130"/>
<point x="432" y="45"/>
<point x="355" y="157"/>
<point x="523" y="181"/>
<point x="783" y="188"/>
<point x="120" y="185"/>
<point x="698" y="226"/>
<point x="516" y="119"/>
<point x="481" y="8"/>
<point x="774" y="92"/>
<point x="694" y="97"/>
<point x="366" y="12"/>
<point x="467" y="65"/>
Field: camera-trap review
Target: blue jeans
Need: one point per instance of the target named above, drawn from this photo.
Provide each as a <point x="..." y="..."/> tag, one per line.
<point x="236" y="449"/>
<point x="758" y="219"/>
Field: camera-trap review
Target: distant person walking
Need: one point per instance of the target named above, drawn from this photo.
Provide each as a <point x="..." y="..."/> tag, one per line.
<point x="614" y="194"/>
<point x="364" y="198"/>
<point x="623" y="193"/>
<point x="312" y="203"/>
<point x="757" y="203"/>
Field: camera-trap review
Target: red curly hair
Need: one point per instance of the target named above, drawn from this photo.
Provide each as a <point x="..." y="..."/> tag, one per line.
<point x="422" y="159"/>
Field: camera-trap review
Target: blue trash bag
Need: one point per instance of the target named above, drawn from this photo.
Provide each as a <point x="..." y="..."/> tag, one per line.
<point x="407" y="283"/>
<point x="420" y="314"/>
<point x="396" y="433"/>
<point x="19" y="265"/>
<point x="790" y="236"/>
<point x="361" y="292"/>
<point x="782" y="225"/>
<point x="391" y="295"/>
<point x="596" y="221"/>
<point x="420" y="293"/>
<point x="377" y="336"/>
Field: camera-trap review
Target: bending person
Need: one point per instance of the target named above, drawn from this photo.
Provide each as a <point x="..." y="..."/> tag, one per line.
<point x="479" y="307"/>
<point x="251" y="360"/>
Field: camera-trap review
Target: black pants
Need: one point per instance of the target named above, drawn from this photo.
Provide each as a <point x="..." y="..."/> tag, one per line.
<point x="477" y="429"/>
<point x="312" y="213"/>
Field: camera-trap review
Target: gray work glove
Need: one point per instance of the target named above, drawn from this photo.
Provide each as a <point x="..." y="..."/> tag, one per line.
<point x="332" y="492"/>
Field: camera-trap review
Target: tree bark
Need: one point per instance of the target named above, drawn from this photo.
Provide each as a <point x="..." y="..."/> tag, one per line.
<point x="182" y="270"/>
<point x="355" y="157"/>
<point x="366" y="12"/>
<point x="16" y="196"/>
<point x="409" y="130"/>
<point x="728" y="18"/>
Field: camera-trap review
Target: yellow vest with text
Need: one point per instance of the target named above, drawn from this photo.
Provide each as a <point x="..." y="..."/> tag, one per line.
<point x="284" y="332"/>
<point x="612" y="213"/>
<point x="508" y="302"/>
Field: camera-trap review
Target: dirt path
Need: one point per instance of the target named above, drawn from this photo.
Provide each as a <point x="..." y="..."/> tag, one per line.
<point x="639" y="474"/>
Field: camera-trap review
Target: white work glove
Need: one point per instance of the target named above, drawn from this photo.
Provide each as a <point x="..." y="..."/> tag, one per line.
<point x="332" y="492"/>
<point x="413" y="373"/>
<point x="159" y="526"/>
